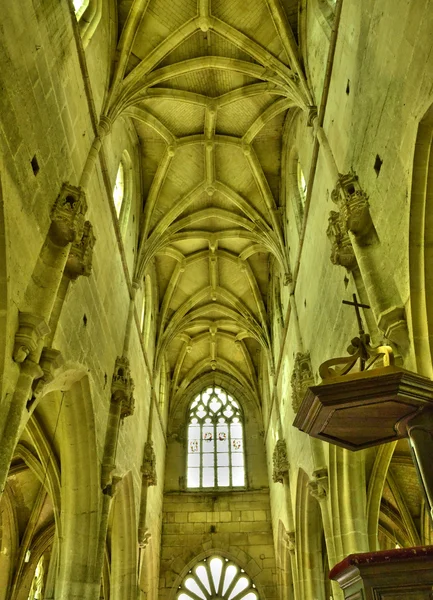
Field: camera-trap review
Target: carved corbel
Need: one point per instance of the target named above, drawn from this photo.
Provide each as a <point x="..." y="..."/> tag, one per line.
<point x="288" y="278"/>
<point x="144" y="540"/>
<point x="341" y="247"/>
<point x="302" y="378"/>
<point x="289" y="538"/>
<point x="280" y="462"/>
<point x="319" y="485"/>
<point x="354" y="205"/>
<point x="122" y="387"/>
<point x="31" y="330"/>
<point x="67" y="215"/>
<point x="80" y="256"/>
<point x="148" y="468"/>
<point x="49" y="362"/>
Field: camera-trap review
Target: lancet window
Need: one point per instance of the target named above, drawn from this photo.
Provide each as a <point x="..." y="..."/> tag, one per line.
<point x="217" y="577"/>
<point x="215" y="456"/>
<point x="119" y="189"/>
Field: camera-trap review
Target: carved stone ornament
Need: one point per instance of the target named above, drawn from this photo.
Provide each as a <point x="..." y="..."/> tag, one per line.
<point x="342" y="253"/>
<point x="302" y="378"/>
<point x="31" y="329"/>
<point x="49" y="362"/>
<point x="280" y="462"/>
<point x="144" y="539"/>
<point x="67" y="216"/>
<point x="80" y="256"/>
<point x="290" y="539"/>
<point x="111" y="488"/>
<point x="148" y="468"/>
<point x="319" y="485"/>
<point x="122" y="387"/>
<point x="353" y="204"/>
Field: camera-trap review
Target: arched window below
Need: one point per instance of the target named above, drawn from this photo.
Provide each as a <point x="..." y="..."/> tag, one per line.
<point x="215" y="456"/>
<point x="36" y="590"/>
<point x="302" y="184"/>
<point x="217" y="577"/>
<point x="119" y="189"/>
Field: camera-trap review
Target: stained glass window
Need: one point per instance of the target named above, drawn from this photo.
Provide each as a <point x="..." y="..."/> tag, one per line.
<point x="215" y="456"/>
<point x="217" y="577"/>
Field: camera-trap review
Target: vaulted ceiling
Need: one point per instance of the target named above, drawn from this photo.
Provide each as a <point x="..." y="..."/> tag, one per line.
<point x="208" y="84"/>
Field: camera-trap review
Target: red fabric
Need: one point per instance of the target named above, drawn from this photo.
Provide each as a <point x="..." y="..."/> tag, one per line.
<point x="383" y="556"/>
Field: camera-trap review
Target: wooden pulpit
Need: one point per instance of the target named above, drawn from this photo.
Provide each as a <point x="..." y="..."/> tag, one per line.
<point x="400" y="574"/>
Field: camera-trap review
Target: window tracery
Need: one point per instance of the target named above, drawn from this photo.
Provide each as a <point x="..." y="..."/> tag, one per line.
<point x="215" y="456"/>
<point x="217" y="577"/>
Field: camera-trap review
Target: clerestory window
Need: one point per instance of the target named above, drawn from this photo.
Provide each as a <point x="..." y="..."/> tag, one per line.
<point x="217" y="577"/>
<point x="215" y="456"/>
<point x="119" y="189"/>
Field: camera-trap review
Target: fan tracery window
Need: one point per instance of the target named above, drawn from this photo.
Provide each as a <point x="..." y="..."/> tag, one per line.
<point x="217" y="577"/>
<point x="215" y="455"/>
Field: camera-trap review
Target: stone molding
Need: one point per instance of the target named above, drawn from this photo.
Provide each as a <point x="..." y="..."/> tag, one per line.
<point x="302" y="378"/>
<point x="148" y="468"/>
<point x="67" y="215"/>
<point x="81" y="254"/>
<point x="31" y="329"/>
<point x="280" y="462"/>
<point x="122" y="387"/>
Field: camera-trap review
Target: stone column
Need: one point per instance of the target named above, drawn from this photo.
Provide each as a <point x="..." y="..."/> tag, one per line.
<point x="148" y="472"/>
<point x="67" y="225"/>
<point x="355" y="243"/>
<point x="319" y="489"/>
<point x="280" y="474"/>
<point x="79" y="263"/>
<point x="121" y="406"/>
<point x="419" y="430"/>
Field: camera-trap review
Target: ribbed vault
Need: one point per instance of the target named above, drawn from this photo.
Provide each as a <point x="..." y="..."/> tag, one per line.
<point x="208" y="84"/>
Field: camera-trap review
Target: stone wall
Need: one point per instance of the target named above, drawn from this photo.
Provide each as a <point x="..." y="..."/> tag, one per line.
<point x="235" y="524"/>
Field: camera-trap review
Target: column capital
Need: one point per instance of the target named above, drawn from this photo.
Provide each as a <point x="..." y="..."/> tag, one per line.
<point x="31" y="329"/>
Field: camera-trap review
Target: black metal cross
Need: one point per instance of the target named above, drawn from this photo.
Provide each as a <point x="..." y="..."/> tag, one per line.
<point x="357" y="306"/>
